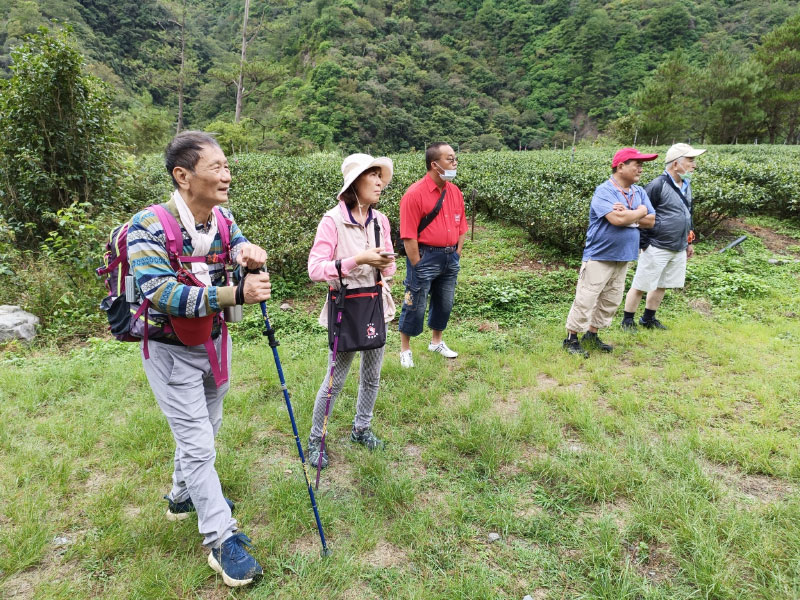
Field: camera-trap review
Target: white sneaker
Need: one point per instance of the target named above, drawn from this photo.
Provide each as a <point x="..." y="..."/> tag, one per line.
<point x="442" y="349"/>
<point x="405" y="359"/>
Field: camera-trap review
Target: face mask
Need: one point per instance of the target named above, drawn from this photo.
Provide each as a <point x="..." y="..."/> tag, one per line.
<point x="687" y="177"/>
<point x="447" y="174"/>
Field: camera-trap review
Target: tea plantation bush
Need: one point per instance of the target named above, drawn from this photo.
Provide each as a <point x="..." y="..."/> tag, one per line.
<point x="279" y="200"/>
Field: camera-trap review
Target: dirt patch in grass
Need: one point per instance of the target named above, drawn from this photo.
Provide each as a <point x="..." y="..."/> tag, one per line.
<point x="485" y="326"/>
<point x="571" y="443"/>
<point x="359" y="592"/>
<point x="761" y="488"/>
<point x="437" y="500"/>
<point x="545" y="382"/>
<point x="276" y="457"/>
<point x="652" y="561"/>
<point x="775" y="242"/>
<point x="530" y="453"/>
<point x="619" y="511"/>
<point x="99" y="480"/>
<point x="528" y="510"/>
<point x="385" y="555"/>
<point x="702" y="306"/>
<point x="337" y="478"/>
<point x="418" y="467"/>
<point x="508" y="406"/>
<point x="214" y="590"/>
<point x="22" y="585"/>
<point x="308" y="545"/>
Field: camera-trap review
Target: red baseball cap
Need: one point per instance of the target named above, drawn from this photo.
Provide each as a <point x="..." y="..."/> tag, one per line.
<point x="624" y="154"/>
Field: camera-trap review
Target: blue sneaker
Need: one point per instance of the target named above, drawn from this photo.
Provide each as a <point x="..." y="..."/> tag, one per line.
<point x="178" y="511"/>
<point x="233" y="561"/>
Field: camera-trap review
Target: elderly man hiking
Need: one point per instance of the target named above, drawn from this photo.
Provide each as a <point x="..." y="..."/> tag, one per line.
<point x="665" y="248"/>
<point x="177" y="253"/>
<point x="433" y="225"/>
<point x="617" y="211"/>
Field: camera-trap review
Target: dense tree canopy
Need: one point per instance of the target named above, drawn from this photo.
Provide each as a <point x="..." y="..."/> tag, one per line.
<point x="394" y="74"/>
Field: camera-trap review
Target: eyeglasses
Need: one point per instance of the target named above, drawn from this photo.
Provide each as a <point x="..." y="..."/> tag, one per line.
<point x="453" y="160"/>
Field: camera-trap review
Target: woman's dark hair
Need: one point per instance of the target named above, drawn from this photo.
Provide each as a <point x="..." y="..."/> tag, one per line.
<point x="184" y="150"/>
<point x="349" y="195"/>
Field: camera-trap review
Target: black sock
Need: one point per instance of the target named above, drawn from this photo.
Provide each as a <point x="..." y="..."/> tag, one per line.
<point x="649" y="315"/>
<point x="590" y="334"/>
<point x="572" y="337"/>
<point x="628" y="315"/>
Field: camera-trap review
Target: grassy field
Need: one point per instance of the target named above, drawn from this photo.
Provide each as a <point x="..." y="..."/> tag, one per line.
<point x="668" y="469"/>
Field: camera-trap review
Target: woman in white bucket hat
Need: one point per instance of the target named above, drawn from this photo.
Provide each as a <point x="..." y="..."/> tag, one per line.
<point x="346" y="233"/>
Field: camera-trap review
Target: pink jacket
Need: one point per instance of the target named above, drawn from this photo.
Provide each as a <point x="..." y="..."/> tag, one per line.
<point x="339" y="237"/>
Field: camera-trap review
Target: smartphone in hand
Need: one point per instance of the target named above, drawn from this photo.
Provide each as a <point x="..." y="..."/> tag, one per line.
<point x="388" y="254"/>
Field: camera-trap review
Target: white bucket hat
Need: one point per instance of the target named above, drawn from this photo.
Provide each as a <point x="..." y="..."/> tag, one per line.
<point x="355" y="164"/>
<point x="677" y="151"/>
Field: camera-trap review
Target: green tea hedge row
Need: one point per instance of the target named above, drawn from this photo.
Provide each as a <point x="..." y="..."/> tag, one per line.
<point x="279" y="200"/>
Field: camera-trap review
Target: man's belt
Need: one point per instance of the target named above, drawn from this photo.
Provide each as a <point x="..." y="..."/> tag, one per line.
<point x="445" y="249"/>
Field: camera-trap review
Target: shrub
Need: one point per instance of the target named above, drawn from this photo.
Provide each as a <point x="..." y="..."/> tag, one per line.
<point x="56" y="141"/>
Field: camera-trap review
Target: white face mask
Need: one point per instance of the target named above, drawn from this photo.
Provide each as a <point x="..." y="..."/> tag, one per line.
<point x="447" y="174"/>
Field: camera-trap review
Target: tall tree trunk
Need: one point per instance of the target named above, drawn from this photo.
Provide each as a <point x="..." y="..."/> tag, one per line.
<point x="181" y="72"/>
<point x="240" y="81"/>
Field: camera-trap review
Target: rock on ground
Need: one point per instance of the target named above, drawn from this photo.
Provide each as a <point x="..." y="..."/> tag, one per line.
<point x="15" y="323"/>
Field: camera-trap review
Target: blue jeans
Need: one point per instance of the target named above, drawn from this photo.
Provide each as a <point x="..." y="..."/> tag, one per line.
<point x="435" y="274"/>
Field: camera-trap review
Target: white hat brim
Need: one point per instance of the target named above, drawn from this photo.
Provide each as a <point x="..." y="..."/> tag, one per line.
<point x="387" y="171"/>
<point x="693" y="153"/>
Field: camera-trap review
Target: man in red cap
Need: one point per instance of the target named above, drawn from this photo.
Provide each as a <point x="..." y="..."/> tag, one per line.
<point x="617" y="211"/>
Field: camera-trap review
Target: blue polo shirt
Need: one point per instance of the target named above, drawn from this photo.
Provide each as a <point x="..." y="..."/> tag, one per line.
<point x="605" y="241"/>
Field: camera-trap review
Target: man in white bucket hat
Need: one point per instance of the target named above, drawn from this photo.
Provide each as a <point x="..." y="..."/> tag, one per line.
<point x="667" y="246"/>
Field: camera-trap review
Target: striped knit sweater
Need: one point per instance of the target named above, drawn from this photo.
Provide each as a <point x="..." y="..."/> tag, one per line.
<point x="157" y="281"/>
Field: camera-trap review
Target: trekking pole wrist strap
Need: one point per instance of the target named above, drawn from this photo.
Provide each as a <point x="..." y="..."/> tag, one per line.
<point x="240" y="288"/>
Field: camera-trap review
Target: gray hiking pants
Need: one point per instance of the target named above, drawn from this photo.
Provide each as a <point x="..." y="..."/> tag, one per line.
<point x="184" y="387"/>
<point x="368" y="383"/>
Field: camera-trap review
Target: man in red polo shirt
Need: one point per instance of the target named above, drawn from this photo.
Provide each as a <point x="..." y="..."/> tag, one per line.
<point x="433" y="224"/>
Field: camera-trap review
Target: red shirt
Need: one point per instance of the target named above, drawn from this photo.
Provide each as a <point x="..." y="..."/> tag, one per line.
<point x="419" y="200"/>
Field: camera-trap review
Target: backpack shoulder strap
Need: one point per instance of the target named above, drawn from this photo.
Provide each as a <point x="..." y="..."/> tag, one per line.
<point x="172" y="231"/>
<point x="653" y="189"/>
<point x="224" y="229"/>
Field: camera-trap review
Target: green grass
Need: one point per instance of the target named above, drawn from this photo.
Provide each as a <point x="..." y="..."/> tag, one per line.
<point x="668" y="469"/>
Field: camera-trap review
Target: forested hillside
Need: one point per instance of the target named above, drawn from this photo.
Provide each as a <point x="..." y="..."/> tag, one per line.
<point x="393" y="74"/>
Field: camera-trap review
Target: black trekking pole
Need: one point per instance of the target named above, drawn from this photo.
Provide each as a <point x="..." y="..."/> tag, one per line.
<point x="273" y="343"/>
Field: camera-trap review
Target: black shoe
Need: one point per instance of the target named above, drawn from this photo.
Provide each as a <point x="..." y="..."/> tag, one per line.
<point x="651" y="323"/>
<point x="591" y="340"/>
<point x="178" y="511"/>
<point x="574" y="347"/>
<point x="628" y="325"/>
